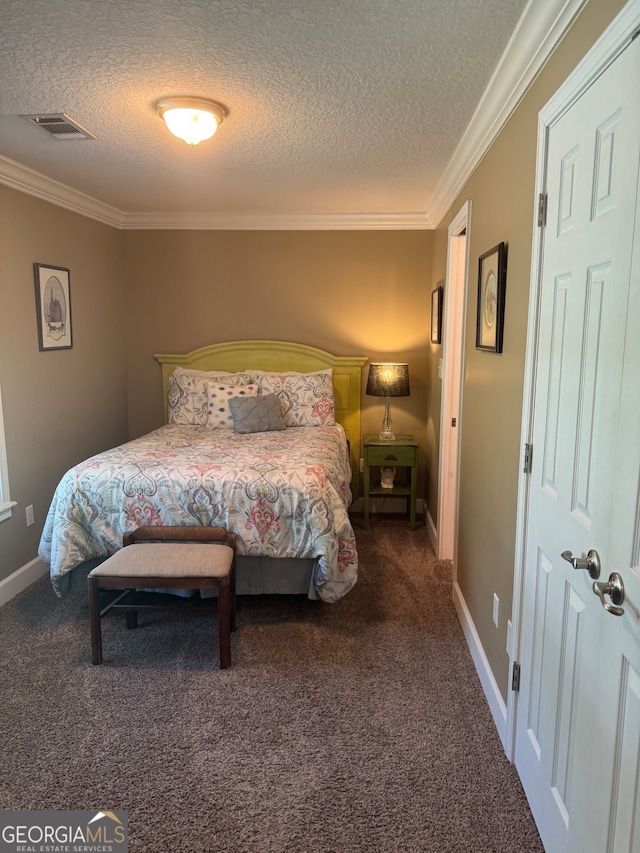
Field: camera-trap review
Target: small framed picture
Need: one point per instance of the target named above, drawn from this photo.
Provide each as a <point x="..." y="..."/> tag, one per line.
<point x="53" y="306"/>
<point x="492" y="278"/>
<point x="436" y="315"/>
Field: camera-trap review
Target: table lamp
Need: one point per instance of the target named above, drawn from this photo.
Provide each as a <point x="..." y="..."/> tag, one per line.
<point x="388" y="380"/>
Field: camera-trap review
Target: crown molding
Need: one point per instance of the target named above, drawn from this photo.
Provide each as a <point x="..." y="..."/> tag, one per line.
<point x="277" y="221"/>
<point x="26" y="180"/>
<point x="541" y="28"/>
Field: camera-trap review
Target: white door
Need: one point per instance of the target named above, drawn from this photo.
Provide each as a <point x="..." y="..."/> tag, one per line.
<point x="577" y="745"/>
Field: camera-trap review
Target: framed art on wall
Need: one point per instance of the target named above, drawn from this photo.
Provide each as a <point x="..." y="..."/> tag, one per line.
<point x="492" y="277"/>
<point x="53" y="306"/>
<point x="436" y="315"/>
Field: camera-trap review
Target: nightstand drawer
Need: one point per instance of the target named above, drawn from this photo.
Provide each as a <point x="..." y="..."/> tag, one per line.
<point x="391" y="456"/>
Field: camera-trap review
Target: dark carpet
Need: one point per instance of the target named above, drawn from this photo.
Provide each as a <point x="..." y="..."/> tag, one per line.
<point x="358" y="726"/>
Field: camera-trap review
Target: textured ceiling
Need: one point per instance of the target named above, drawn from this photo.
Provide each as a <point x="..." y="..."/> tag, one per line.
<point x="335" y="106"/>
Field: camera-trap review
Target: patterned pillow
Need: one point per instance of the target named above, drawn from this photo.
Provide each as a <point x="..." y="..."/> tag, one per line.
<point x="187" y="393"/>
<point x="257" y="414"/>
<point x="219" y="396"/>
<point x="306" y="398"/>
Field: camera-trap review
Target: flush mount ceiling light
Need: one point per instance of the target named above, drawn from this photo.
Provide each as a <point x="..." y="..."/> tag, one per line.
<point x="191" y="119"/>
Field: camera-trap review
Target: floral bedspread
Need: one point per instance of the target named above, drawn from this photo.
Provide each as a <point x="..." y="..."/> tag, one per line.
<point x="285" y="494"/>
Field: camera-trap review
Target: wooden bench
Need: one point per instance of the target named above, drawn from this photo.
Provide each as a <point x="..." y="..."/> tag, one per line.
<point x="158" y="558"/>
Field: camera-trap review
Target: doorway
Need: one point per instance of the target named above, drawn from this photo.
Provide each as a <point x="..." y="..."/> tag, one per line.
<point x="452" y="361"/>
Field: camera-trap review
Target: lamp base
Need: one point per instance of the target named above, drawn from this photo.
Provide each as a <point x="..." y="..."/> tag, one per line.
<point x="387" y="424"/>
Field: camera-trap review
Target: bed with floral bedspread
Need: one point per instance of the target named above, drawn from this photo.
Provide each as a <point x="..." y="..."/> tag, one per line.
<point x="284" y="493"/>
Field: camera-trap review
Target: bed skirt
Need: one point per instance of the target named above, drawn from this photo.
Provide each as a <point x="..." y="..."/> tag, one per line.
<point x="254" y="576"/>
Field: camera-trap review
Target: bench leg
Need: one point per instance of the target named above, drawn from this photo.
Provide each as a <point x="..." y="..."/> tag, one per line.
<point x="224" y="621"/>
<point x="94" y="621"/>
<point x="232" y="592"/>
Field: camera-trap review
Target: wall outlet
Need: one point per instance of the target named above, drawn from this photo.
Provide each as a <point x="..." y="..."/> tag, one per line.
<point x="362" y="465"/>
<point x="496" y="609"/>
<point x="29" y="514"/>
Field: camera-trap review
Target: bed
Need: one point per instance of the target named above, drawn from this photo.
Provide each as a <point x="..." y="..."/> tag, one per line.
<point x="262" y="438"/>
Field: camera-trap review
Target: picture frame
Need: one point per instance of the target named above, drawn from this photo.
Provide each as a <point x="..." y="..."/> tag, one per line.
<point x="492" y="278"/>
<point x="53" y="307"/>
<point x="436" y="315"/>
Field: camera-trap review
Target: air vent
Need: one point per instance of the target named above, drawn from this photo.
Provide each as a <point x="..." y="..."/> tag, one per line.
<point x="60" y="126"/>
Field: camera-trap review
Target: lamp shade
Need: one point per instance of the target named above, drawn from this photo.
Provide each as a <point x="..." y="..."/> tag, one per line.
<point x="388" y="380"/>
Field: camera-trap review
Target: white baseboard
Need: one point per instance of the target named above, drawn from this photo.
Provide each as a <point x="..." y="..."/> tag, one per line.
<point x="21" y="579"/>
<point x="489" y="685"/>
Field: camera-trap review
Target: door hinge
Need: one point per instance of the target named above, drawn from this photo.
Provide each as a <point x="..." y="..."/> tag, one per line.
<point x="528" y="458"/>
<point x="542" y="210"/>
<point x="454" y="422"/>
<point x="515" y="677"/>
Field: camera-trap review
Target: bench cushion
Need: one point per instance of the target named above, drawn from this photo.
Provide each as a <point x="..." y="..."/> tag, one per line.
<point x="169" y="560"/>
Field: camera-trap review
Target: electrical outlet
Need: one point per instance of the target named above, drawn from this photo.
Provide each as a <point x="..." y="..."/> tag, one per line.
<point x="29" y="514"/>
<point x="361" y="465"/>
<point x="496" y="609"/>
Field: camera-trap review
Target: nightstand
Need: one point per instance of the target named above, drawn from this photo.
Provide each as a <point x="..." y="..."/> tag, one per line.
<point x="399" y="452"/>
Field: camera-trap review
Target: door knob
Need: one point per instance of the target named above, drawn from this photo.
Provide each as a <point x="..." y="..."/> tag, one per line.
<point x="591" y="563"/>
<point x="614" y="588"/>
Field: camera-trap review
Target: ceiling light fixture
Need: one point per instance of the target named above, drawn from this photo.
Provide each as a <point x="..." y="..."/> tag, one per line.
<point x="191" y="119"/>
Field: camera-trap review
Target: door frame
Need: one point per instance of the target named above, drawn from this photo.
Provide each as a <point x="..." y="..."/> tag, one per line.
<point x="454" y="313"/>
<point x="608" y="47"/>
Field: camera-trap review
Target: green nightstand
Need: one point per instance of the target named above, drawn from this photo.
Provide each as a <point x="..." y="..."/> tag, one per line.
<point x="399" y="452"/>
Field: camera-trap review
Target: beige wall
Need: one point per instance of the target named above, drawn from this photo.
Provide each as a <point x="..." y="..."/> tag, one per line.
<point x="61" y="406"/>
<point x="502" y="192"/>
<point x="348" y="292"/>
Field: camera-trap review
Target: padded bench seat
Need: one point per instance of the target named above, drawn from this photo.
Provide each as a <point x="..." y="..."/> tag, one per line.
<point x="157" y="558"/>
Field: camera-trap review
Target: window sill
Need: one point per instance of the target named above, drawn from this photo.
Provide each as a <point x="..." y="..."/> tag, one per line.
<point x="6" y="510"/>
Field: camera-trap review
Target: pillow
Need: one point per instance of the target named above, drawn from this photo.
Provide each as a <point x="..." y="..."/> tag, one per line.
<point x="306" y="398"/>
<point x="219" y="414"/>
<point x="187" y="393"/>
<point x="257" y="414"/>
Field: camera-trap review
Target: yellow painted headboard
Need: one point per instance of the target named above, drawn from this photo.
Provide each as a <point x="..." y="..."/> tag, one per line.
<point x="282" y="356"/>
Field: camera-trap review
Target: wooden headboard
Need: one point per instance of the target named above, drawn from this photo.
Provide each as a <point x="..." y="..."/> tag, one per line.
<point x="282" y="356"/>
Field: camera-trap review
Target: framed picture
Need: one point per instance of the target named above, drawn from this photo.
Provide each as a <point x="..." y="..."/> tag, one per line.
<point x="492" y="277"/>
<point x="436" y="315"/>
<point x="53" y="306"/>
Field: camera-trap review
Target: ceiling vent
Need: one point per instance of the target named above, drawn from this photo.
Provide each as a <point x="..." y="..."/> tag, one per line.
<point x="60" y="126"/>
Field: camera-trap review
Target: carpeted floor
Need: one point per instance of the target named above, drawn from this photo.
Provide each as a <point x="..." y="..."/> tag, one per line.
<point x="359" y="726"/>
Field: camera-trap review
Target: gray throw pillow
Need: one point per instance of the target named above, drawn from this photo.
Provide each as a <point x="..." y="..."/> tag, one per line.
<point x="256" y="414"/>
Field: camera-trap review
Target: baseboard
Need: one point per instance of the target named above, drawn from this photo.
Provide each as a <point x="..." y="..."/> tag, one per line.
<point x="433" y="532"/>
<point x="21" y="579"/>
<point x="497" y="704"/>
